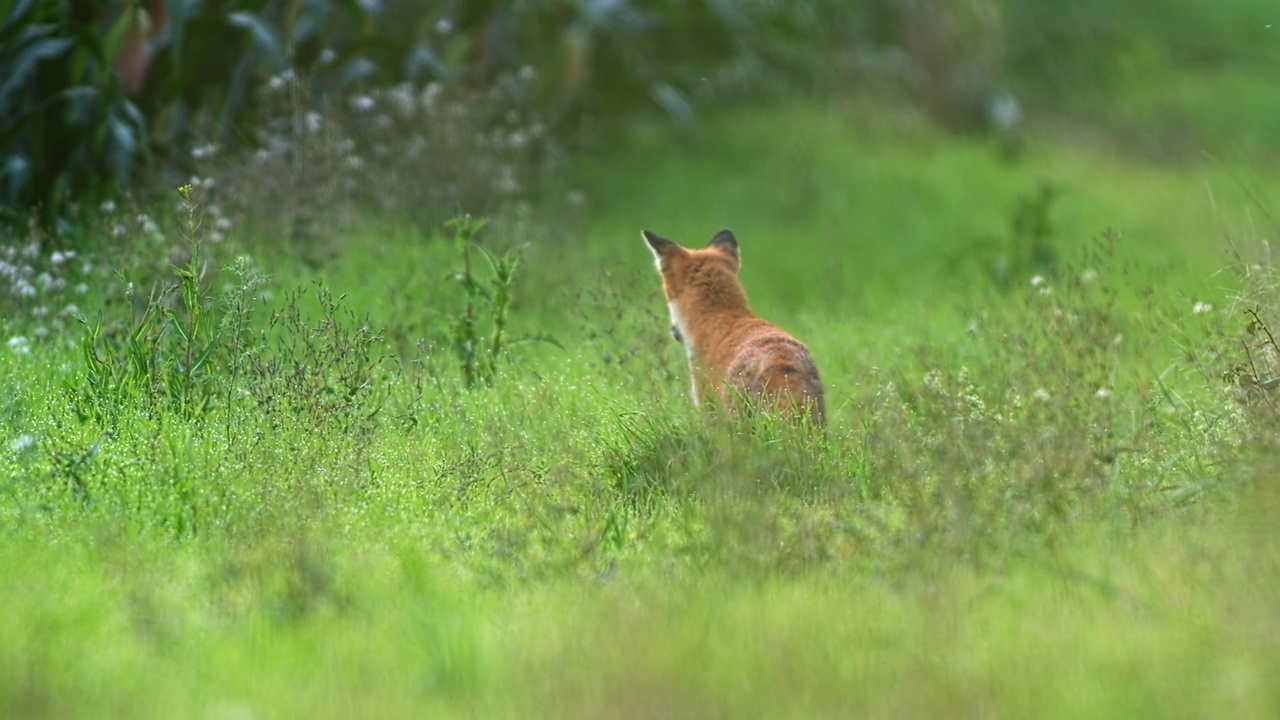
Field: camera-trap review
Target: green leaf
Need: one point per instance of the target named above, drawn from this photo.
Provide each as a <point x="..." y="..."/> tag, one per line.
<point x="264" y="37"/>
<point x="28" y="55"/>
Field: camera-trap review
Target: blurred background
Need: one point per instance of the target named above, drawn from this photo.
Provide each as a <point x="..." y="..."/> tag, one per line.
<point x="105" y="98"/>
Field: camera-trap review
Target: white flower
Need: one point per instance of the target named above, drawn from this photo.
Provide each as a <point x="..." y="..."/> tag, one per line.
<point x="444" y="26"/>
<point x="1103" y="393"/>
<point x="314" y="121"/>
<point x="1201" y="308"/>
<point x="22" y="442"/>
<point x="107" y="207"/>
<point x="57" y="258"/>
<point x="1041" y="394"/>
<point x="362" y="103"/>
<point x="327" y="56"/>
<point x="1037" y="281"/>
<point x="1088" y="276"/>
<point x="20" y="344"/>
<point x="200" y="152"/>
<point x="429" y="94"/>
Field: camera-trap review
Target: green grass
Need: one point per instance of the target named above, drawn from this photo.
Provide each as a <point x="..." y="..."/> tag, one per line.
<point x="981" y="531"/>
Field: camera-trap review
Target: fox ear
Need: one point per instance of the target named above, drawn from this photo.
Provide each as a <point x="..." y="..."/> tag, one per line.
<point x="660" y="246"/>
<point x="727" y="243"/>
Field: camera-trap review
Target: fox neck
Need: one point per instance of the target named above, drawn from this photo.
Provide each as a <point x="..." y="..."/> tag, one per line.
<point x="715" y="320"/>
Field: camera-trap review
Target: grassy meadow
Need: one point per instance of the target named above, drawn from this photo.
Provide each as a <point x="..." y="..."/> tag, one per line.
<point x="372" y="486"/>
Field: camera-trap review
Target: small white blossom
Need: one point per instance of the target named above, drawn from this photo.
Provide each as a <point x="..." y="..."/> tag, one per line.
<point x="1037" y="280"/>
<point x="1041" y="394"/>
<point x="444" y="26"/>
<point x="327" y="56"/>
<point x="22" y="442"/>
<point x="107" y="207"/>
<point x="1201" y="308"/>
<point x="429" y="95"/>
<point x="1088" y="276"/>
<point x="20" y="344"/>
<point x="362" y="103"/>
<point x="1103" y="393"/>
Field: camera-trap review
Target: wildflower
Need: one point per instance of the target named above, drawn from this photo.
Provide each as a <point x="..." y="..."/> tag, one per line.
<point x="1201" y="308"/>
<point x="1041" y="394"/>
<point x="1037" y="280"/>
<point x="933" y="380"/>
<point x="444" y="26"/>
<point x="107" y="207"/>
<point x="313" y="122"/>
<point x="327" y="56"/>
<point x="200" y="152"/>
<point x="59" y="257"/>
<point x="278" y="81"/>
<point x="362" y="103"/>
<point x="20" y="344"/>
<point x="1103" y="393"/>
<point x="429" y="95"/>
<point x="81" y="289"/>
<point x="1088" y="276"/>
<point x="22" y="442"/>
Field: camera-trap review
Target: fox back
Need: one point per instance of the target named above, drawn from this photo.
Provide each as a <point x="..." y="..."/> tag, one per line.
<point x="733" y="355"/>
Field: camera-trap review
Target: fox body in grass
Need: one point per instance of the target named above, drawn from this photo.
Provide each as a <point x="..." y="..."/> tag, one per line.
<point x="732" y="353"/>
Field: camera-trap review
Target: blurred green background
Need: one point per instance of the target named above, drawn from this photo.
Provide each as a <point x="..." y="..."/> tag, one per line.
<point x="101" y="97"/>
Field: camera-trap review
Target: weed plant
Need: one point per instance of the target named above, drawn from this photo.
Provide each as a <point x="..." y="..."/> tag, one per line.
<point x="420" y="152"/>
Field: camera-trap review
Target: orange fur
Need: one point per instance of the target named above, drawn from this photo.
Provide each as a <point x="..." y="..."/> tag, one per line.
<point x="732" y="353"/>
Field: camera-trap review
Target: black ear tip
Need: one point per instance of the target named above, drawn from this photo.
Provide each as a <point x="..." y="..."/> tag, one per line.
<point x="655" y="241"/>
<point x="724" y="237"/>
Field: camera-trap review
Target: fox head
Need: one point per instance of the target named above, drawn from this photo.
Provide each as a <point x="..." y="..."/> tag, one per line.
<point x="698" y="283"/>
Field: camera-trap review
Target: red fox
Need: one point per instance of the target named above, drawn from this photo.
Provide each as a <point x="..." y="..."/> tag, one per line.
<point x="732" y="353"/>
